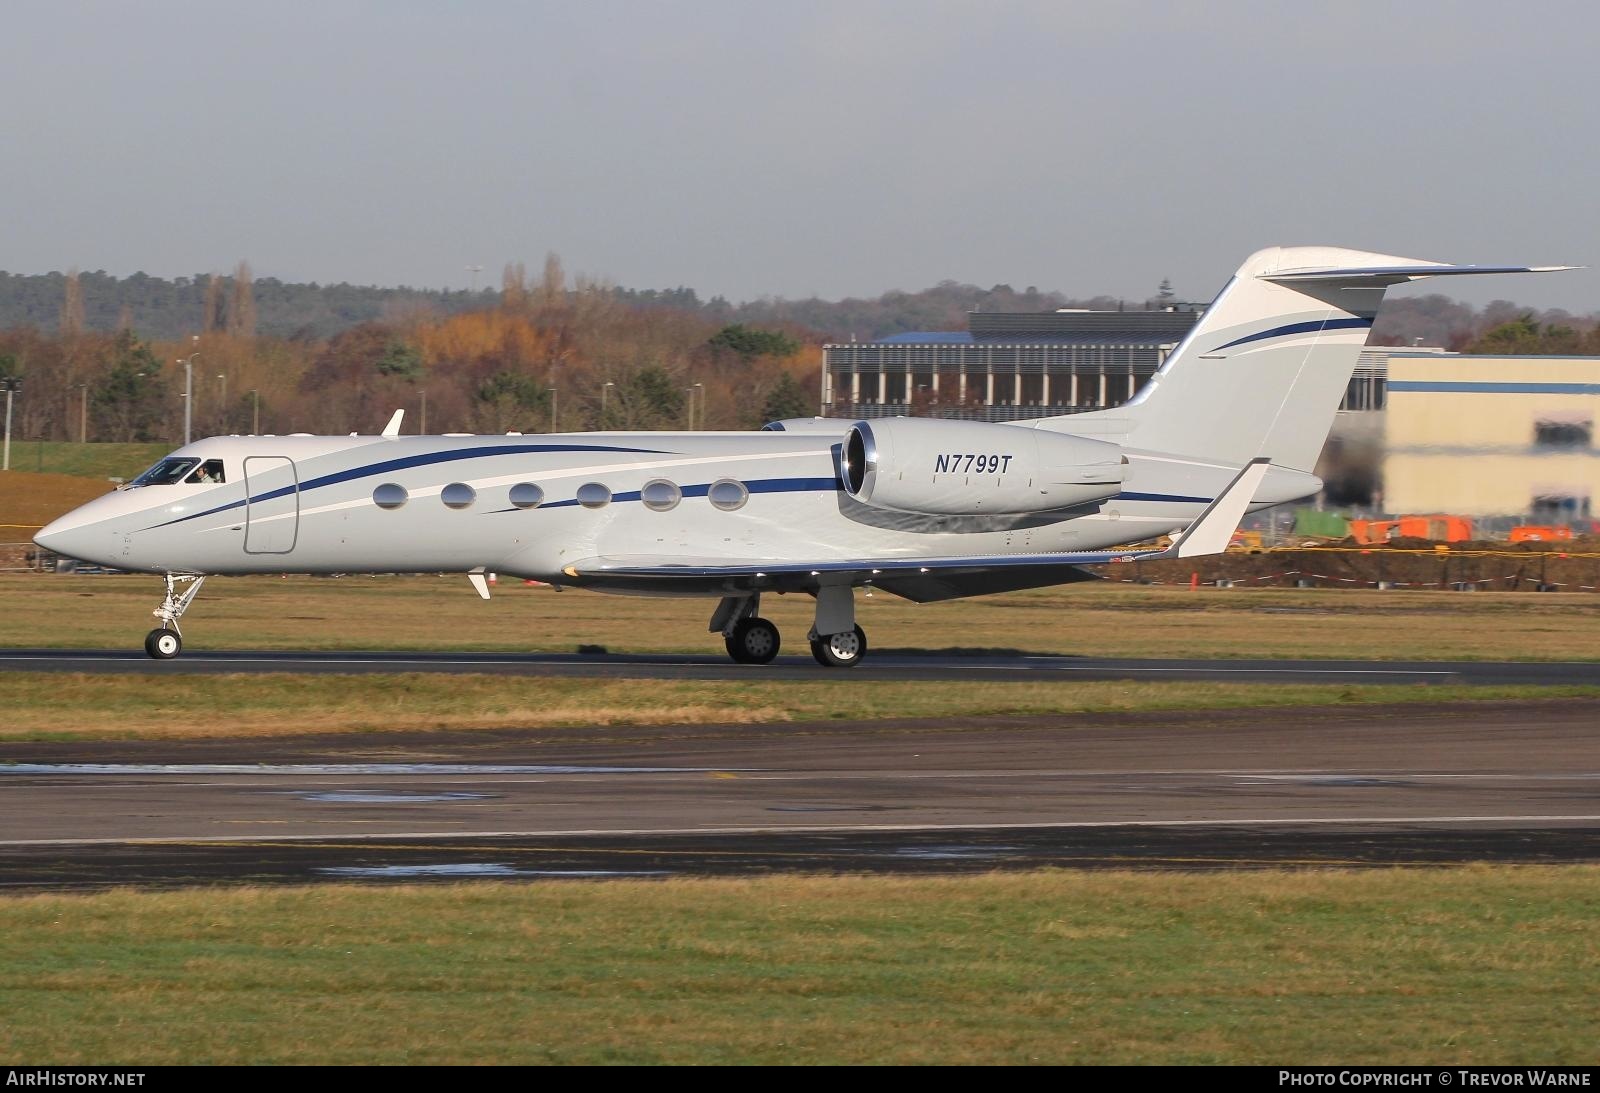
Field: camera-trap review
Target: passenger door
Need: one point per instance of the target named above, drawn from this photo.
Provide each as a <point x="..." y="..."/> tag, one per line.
<point x="272" y="505"/>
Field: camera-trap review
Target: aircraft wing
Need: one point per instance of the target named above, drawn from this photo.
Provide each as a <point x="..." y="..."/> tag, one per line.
<point x="919" y="579"/>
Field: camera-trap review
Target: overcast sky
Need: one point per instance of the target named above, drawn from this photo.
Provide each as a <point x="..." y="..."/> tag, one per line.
<point x="829" y="148"/>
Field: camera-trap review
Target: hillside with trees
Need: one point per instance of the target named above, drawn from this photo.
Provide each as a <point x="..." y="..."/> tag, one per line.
<point x="100" y="356"/>
<point x="539" y="354"/>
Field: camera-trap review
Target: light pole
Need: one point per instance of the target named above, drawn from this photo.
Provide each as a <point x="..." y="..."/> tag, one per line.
<point x="700" y="387"/>
<point x="83" y="415"/>
<point x="255" y="413"/>
<point x="553" y="396"/>
<point x="188" y="392"/>
<point x="12" y="385"/>
<point x="226" y="417"/>
<point x="422" y="424"/>
<point x="605" y="389"/>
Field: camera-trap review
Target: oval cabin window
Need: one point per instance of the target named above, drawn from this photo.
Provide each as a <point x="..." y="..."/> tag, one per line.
<point x="659" y="495"/>
<point x="592" y="495"/>
<point x="390" y="495"/>
<point x="525" y="495"/>
<point x="727" y="495"/>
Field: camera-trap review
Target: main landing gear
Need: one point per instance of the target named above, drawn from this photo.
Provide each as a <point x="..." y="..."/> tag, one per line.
<point x="166" y="642"/>
<point x="836" y="641"/>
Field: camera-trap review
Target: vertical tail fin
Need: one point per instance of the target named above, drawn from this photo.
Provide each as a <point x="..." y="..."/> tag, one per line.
<point x="1263" y="371"/>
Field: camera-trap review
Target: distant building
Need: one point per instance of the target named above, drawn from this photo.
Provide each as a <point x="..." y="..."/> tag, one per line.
<point x="1010" y="366"/>
<point x="1493" y="436"/>
<point x="1004" y="366"/>
<point x="1420" y="430"/>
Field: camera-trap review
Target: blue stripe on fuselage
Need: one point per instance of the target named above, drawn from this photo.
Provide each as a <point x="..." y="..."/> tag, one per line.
<point x="1315" y="326"/>
<point x="408" y="462"/>
<point x="760" y="485"/>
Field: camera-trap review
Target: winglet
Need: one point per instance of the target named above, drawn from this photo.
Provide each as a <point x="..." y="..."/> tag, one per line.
<point x="392" y="429"/>
<point x="1212" y="530"/>
<point x="478" y="582"/>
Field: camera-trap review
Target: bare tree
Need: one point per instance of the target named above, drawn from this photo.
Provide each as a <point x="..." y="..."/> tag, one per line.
<point x="214" y="317"/>
<point x="72" y="306"/>
<point x="552" y="287"/>
<point x="514" y="286"/>
<point x="242" y="306"/>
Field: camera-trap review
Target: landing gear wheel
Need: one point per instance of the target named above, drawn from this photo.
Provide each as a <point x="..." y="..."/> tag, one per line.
<point x="753" y="641"/>
<point x="163" y="644"/>
<point x="843" y="650"/>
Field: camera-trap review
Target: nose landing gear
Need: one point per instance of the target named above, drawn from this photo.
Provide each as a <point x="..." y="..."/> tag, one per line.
<point x="166" y="641"/>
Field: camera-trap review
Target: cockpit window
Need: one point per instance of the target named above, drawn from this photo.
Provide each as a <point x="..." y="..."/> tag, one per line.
<point x="165" y="473"/>
<point x="209" y="473"/>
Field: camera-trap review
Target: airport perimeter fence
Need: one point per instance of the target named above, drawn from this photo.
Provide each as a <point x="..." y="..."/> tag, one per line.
<point x="1439" y="568"/>
<point x="27" y="558"/>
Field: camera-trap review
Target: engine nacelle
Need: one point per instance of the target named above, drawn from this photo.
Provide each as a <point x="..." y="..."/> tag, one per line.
<point x="964" y="468"/>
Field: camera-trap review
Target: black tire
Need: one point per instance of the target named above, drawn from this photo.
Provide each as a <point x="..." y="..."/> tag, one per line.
<point x="844" y="650"/>
<point x="753" y="641"/>
<point x="163" y="644"/>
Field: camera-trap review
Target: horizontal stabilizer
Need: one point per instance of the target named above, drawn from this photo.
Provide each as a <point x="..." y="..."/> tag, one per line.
<point x="1213" y="529"/>
<point x="1393" y="275"/>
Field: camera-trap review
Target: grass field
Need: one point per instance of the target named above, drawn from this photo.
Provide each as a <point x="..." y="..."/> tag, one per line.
<point x="29" y="501"/>
<point x="99" y="461"/>
<point x="56" y="706"/>
<point x="1466" y="965"/>
<point x="82" y="611"/>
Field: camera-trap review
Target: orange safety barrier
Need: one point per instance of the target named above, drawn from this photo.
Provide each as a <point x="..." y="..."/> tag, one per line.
<point x="1535" y="533"/>
<point x="1440" y="529"/>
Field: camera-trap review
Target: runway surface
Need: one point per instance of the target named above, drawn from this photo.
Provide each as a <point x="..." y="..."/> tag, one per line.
<point x="1374" y="785"/>
<point x="980" y="667"/>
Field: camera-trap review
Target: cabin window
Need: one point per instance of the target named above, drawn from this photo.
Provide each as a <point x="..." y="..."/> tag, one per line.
<point x="207" y="474"/>
<point x="458" y="495"/>
<point x="659" y="495"/>
<point x="525" y="495"/>
<point x="390" y="495"/>
<point x="592" y="495"/>
<point x="727" y="495"/>
<point x="165" y="473"/>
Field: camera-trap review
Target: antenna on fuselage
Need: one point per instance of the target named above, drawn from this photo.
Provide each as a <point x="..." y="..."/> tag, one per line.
<point x="392" y="429"/>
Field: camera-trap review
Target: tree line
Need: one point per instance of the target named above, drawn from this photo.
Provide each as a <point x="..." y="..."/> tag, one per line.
<point x="539" y="355"/>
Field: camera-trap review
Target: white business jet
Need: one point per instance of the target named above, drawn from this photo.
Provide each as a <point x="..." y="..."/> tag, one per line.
<point x="925" y="509"/>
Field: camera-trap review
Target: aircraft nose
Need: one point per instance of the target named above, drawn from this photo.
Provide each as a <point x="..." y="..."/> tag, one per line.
<point x="68" y="536"/>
